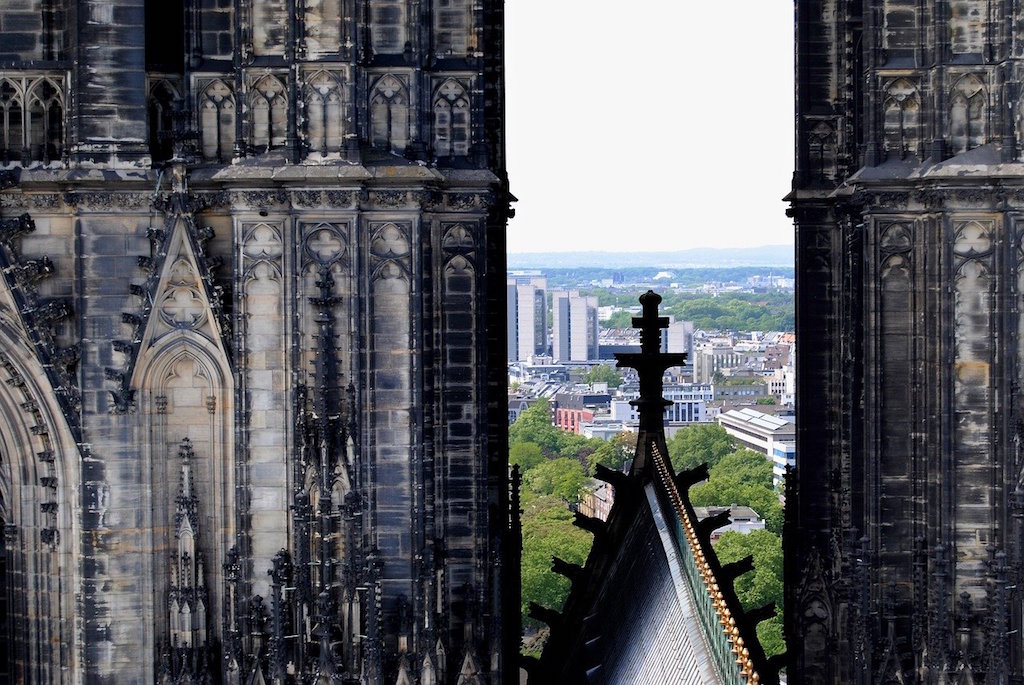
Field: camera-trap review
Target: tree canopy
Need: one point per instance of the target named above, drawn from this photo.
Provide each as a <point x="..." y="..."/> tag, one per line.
<point x="733" y="311"/>
<point x="547" y="532"/>
<point x="743" y="477"/>
<point x="699" y="444"/>
<point x="737" y="311"/>
<point x="553" y="463"/>
<point x="602" y="373"/>
<point x="763" y="584"/>
<point x="556" y="465"/>
<point x="622" y="318"/>
<point x="562" y="477"/>
<point x="525" y="455"/>
<point x="534" y="425"/>
<point x="614" y="453"/>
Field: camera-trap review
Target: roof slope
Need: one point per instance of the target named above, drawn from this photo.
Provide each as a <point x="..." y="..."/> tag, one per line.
<point x="652" y="604"/>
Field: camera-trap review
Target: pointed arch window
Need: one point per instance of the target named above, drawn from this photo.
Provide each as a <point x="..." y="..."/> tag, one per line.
<point x="821" y="144"/>
<point x="32" y="111"/>
<point x="269" y="108"/>
<point x="324" y="113"/>
<point x="163" y="97"/>
<point x="45" y="121"/>
<point x="12" y="108"/>
<point x="217" y="121"/>
<point x="451" y="120"/>
<point x="901" y="119"/>
<point x="968" y="114"/>
<point x="7" y="674"/>
<point x="389" y="114"/>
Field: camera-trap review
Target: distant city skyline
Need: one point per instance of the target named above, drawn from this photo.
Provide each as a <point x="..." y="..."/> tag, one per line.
<point x="698" y="257"/>
<point x="633" y="133"/>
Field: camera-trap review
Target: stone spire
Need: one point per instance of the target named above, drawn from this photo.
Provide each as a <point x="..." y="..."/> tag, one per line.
<point x="188" y="596"/>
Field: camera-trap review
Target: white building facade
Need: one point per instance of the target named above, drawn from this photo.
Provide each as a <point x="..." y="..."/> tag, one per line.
<point x="770" y="435"/>
<point x="689" y="404"/>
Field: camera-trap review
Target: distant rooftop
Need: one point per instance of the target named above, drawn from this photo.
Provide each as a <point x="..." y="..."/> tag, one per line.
<point x="756" y="421"/>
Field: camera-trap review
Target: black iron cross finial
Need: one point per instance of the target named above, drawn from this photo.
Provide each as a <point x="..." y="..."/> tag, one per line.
<point x="650" y="365"/>
<point x="650" y="324"/>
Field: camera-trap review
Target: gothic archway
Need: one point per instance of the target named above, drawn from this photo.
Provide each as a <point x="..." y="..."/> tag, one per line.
<point x="185" y="395"/>
<point x="186" y="392"/>
<point x="39" y="495"/>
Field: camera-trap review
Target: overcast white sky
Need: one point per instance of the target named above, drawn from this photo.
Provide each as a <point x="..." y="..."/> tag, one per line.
<point x="649" y="124"/>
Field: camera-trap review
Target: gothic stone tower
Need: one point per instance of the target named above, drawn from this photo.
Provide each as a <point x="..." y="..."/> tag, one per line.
<point x="906" y="513"/>
<point x="252" y="342"/>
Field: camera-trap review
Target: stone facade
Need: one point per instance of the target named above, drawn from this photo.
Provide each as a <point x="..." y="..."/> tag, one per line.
<point x="252" y="423"/>
<point x="905" y="534"/>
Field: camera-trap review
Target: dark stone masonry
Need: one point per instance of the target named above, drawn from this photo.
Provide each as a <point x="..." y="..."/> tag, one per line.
<point x="252" y="383"/>
<point x="905" y="531"/>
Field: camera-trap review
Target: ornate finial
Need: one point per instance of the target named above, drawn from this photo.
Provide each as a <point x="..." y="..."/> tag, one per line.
<point x="650" y="365"/>
<point x="650" y="324"/>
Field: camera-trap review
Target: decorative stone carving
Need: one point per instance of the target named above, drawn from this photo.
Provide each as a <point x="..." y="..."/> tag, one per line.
<point x="325" y="243"/>
<point x="39" y="318"/>
<point x="104" y="201"/>
<point x="389" y="198"/>
<point x="459" y="246"/>
<point x="187" y="597"/>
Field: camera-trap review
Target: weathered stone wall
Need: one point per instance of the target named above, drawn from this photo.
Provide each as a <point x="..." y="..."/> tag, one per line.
<point x="901" y="531"/>
<point x="309" y="299"/>
<point x="212" y="34"/>
<point x="108" y="123"/>
<point x="22" y="27"/>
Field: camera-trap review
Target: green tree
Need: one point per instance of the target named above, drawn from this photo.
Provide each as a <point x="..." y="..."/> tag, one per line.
<point x="534" y="425"/>
<point x="622" y="318"/>
<point x="525" y="454"/>
<point x="766" y="400"/>
<point x="745" y="478"/>
<point x="699" y="444"/>
<point x="575" y="446"/>
<point x="605" y="455"/>
<point x="615" y="453"/>
<point x="562" y="477"/>
<point x="735" y="311"/>
<point x="762" y="585"/>
<point x="547" y="532"/>
<point x="602" y="373"/>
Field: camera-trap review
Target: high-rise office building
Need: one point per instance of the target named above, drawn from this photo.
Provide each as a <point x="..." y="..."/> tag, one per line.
<point x="574" y="329"/>
<point x="527" y="316"/>
<point x="252" y="421"/>
<point x="679" y="338"/>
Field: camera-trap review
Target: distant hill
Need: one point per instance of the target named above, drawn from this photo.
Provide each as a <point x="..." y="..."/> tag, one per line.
<point x="765" y="255"/>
